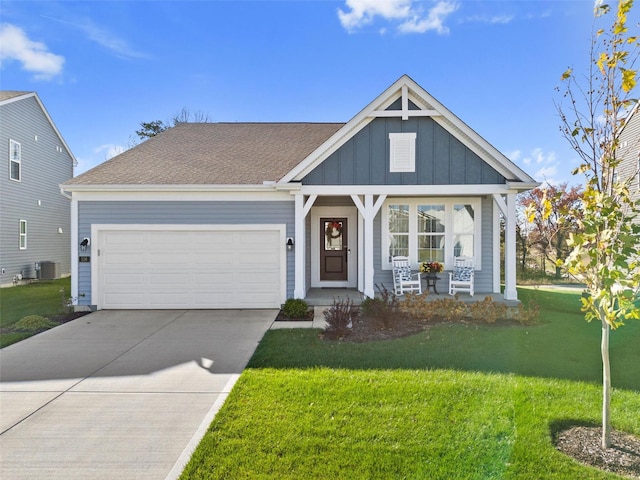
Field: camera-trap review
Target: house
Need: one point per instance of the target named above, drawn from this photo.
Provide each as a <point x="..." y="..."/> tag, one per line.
<point x="35" y="221"/>
<point x="246" y="215"/>
<point x="629" y="151"/>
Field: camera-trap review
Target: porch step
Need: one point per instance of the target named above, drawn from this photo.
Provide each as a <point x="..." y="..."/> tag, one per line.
<point x="326" y="296"/>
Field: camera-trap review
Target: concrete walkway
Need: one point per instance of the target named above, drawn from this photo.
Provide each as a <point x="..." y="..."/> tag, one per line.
<point x="120" y="394"/>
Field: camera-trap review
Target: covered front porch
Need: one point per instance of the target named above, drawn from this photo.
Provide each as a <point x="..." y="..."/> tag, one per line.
<point x="365" y="247"/>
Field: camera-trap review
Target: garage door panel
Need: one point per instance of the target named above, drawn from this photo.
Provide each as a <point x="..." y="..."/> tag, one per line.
<point x="191" y="269"/>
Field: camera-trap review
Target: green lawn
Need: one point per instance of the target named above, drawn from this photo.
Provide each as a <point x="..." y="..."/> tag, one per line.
<point x="39" y="298"/>
<point x="454" y="402"/>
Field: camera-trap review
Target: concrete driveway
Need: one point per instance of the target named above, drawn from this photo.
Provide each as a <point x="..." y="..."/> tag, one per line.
<point x="120" y="394"/>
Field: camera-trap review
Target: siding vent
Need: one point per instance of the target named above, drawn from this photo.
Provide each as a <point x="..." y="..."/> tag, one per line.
<point x="402" y="157"/>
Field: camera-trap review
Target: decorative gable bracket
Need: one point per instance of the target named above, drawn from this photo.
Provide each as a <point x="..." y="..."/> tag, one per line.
<point x="405" y="113"/>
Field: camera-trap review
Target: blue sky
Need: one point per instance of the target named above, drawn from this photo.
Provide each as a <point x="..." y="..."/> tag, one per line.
<point x="101" y="68"/>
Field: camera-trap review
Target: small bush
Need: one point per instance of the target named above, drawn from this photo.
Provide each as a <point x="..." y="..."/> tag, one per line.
<point x="528" y="316"/>
<point x="488" y="311"/>
<point x="295" y="308"/>
<point x="33" y="323"/>
<point x="451" y="309"/>
<point x="419" y="307"/>
<point x="339" y="318"/>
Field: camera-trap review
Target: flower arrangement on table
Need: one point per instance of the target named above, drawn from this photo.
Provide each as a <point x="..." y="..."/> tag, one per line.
<point x="431" y="267"/>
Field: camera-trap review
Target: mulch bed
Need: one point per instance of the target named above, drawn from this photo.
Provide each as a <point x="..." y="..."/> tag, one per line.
<point x="283" y="318"/>
<point x="584" y="445"/>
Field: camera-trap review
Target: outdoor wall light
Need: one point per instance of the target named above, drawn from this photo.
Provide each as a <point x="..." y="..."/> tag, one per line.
<point x="289" y="243"/>
<point x="85" y="243"/>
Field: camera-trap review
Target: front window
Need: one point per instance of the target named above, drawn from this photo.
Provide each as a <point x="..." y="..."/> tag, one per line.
<point x="463" y="230"/>
<point x="431" y="233"/>
<point x="398" y="230"/>
<point x="437" y="230"/>
<point x="15" y="160"/>
<point x="22" y="242"/>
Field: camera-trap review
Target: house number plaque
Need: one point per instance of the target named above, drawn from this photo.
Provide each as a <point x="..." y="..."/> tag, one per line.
<point x="84" y="259"/>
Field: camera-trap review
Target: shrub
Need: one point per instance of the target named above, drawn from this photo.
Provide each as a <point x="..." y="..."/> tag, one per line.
<point x="450" y="309"/>
<point x="339" y="318"/>
<point x="418" y="307"/>
<point x="385" y="307"/>
<point x="33" y="323"/>
<point x="488" y="311"/>
<point x="528" y="316"/>
<point x="295" y="308"/>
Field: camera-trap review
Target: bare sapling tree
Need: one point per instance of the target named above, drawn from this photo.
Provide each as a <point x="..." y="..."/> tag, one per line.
<point x="605" y="251"/>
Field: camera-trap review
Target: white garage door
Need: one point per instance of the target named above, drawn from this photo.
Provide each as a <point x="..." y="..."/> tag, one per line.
<point x="162" y="269"/>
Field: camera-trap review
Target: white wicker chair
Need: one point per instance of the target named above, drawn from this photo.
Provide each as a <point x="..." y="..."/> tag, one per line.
<point x="403" y="280"/>
<point x="462" y="277"/>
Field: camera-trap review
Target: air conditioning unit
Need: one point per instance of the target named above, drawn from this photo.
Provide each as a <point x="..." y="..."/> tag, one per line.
<point x="48" y="270"/>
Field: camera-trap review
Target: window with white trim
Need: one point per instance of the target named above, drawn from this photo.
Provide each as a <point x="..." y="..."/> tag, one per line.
<point x="398" y="223"/>
<point x="402" y="155"/>
<point x="15" y="160"/>
<point x="463" y="230"/>
<point x="22" y="242"/>
<point x="431" y="233"/>
<point x="426" y="230"/>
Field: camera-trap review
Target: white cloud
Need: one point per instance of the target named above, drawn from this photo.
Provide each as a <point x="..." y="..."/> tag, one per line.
<point x="411" y="18"/>
<point x="110" y="150"/>
<point x="434" y="20"/>
<point x="103" y="37"/>
<point x="514" y="156"/>
<point x="490" y="19"/>
<point x="35" y="57"/>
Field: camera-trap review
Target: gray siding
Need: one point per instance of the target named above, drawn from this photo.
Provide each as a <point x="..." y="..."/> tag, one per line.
<point x="441" y="159"/>
<point x="196" y="213"/>
<point x="630" y="152"/>
<point x="45" y="165"/>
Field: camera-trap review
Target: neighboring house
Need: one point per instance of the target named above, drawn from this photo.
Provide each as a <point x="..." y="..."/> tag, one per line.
<point x="246" y="215"/>
<point x="34" y="216"/>
<point x="629" y="151"/>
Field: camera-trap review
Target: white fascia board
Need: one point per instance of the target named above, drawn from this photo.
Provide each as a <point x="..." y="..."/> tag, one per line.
<point x="164" y="194"/>
<point x="523" y="186"/>
<point x="167" y="188"/>
<point x="407" y="190"/>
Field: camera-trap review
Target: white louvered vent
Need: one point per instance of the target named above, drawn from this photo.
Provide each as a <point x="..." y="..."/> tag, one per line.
<point x="403" y="152"/>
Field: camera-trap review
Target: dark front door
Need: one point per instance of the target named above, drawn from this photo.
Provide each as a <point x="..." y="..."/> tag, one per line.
<point x="333" y="249"/>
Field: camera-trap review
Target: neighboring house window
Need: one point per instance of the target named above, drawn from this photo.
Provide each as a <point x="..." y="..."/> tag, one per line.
<point x="437" y="230"/>
<point x="15" y="160"/>
<point x="23" y="235"/>
<point x="403" y="152"/>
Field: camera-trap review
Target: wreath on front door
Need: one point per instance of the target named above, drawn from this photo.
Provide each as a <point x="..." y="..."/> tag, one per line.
<point x="334" y="230"/>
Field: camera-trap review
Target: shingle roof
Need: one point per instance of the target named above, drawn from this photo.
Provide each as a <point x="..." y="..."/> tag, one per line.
<point x="213" y="153"/>
<point x="8" y="94"/>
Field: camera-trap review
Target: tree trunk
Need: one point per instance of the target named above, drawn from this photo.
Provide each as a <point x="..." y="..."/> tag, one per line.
<point x="606" y="387"/>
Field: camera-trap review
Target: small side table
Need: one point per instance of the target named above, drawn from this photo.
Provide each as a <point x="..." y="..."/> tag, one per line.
<point x="431" y="282"/>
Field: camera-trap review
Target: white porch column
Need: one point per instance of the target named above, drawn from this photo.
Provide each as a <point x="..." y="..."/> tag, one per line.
<point x="510" y="292"/>
<point x="74" y="250"/>
<point x="368" y="211"/>
<point x="299" y="290"/>
<point x="301" y="211"/>
<point x="368" y="246"/>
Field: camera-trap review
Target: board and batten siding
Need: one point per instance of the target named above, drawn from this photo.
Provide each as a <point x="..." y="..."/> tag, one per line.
<point x="36" y="198"/>
<point x="441" y="159"/>
<point x="179" y="213"/>
<point x="483" y="277"/>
